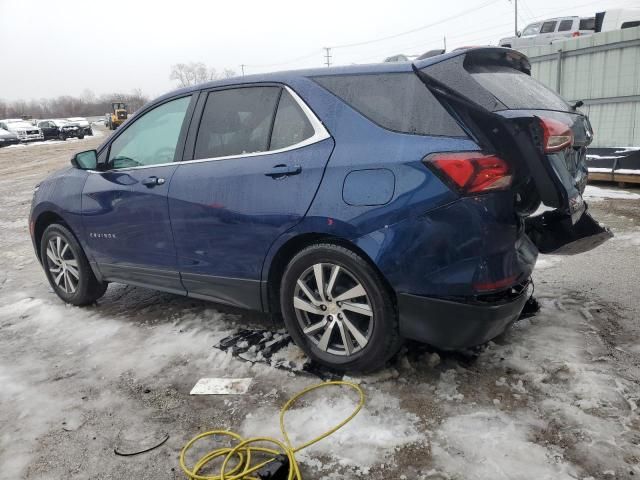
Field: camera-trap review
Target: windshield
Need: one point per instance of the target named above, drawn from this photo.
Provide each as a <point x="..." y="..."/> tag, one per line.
<point x="531" y="29"/>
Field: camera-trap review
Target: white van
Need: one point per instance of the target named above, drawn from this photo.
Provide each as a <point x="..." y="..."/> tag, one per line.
<point x="550" y="31"/>
<point x="617" y="18"/>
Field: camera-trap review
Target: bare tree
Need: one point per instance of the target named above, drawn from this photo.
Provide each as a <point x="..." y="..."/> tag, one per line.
<point x="192" y="73"/>
<point x="187" y="74"/>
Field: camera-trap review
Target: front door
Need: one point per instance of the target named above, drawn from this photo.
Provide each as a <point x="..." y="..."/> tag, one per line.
<point x="258" y="159"/>
<point x="49" y="130"/>
<point x="124" y="208"/>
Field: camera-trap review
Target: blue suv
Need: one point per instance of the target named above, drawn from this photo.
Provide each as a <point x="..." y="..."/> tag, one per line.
<point x="364" y="204"/>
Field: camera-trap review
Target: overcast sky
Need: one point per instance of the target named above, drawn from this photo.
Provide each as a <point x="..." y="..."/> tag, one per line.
<point x="55" y="47"/>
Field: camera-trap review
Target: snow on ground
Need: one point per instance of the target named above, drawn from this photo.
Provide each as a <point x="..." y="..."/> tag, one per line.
<point x="594" y="193"/>
<point x="556" y="397"/>
<point x="371" y="438"/>
<point x="561" y="404"/>
<point x="547" y="261"/>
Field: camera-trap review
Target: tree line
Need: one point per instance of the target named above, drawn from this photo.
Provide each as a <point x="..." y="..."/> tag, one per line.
<point x="85" y="105"/>
<point x="88" y="104"/>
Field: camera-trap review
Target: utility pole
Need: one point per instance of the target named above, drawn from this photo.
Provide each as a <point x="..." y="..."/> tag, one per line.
<point x="445" y="43"/>
<point x="327" y="56"/>
<point x="242" y="68"/>
<point x="515" y="17"/>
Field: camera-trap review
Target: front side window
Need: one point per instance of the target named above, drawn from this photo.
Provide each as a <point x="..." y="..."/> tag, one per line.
<point x="236" y="121"/>
<point x="291" y="125"/>
<point x="565" y="25"/>
<point x="152" y="139"/>
<point x="548" y="27"/>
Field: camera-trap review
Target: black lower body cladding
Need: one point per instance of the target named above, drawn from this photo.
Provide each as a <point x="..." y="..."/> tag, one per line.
<point x="458" y="324"/>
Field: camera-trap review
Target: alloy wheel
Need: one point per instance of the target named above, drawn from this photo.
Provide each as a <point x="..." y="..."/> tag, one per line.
<point x="333" y="309"/>
<point x="62" y="264"/>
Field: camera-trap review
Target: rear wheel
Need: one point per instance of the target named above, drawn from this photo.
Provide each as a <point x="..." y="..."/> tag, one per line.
<point x="67" y="267"/>
<point x="338" y="310"/>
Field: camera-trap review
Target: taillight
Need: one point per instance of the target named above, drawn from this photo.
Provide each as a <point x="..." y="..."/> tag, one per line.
<point x="472" y="172"/>
<point x="575" y="34"/>
<point x="557" y="135"/>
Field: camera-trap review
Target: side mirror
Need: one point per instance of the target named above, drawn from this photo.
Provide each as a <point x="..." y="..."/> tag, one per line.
<point x="518" y="33"/>
<point x="85" y="160"/>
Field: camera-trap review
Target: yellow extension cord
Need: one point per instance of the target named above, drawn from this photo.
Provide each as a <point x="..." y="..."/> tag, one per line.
<point x="245" y="448"/>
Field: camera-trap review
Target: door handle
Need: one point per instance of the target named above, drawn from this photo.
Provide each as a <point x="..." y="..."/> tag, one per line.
<point x="153" y="181"/>
<point x="280" y="171"/>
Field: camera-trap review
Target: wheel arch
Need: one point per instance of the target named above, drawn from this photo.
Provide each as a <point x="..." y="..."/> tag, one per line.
<point x="42" y="221"/>
<point x="291" y="247"/>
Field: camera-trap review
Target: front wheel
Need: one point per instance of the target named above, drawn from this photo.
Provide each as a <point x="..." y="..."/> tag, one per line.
<point x="61" y="137"/>
<point x="338" y="310"/>
<point x="67" y="267"/>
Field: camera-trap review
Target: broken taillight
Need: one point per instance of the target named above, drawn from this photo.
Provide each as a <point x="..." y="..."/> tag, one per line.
<point x="556" y="135"/>
<point x="472" y="172"/>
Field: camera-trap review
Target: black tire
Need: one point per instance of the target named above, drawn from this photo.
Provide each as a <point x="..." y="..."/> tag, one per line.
<point x="87" y="288"/>
<point x="90" y="132"/>
<point x="62" y="137"/>
<point x="383" y="338"/>
<point x="80" y="136"/>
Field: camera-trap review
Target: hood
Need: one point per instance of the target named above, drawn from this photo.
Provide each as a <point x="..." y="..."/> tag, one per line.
<point x="6" y="134"/>
<point x="15" y="127"/>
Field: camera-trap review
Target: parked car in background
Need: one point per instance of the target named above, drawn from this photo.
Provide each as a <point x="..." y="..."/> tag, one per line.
<point x="550" y="31"/>
<point x="23" y="129"/>
<point x="82" y="122"/>
<point x="8" y="138"/>
<point x="364" y="204"/>
<point x="60" y="129"/>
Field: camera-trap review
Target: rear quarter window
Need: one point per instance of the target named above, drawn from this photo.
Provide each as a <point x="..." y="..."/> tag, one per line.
<point x="588" y="24"/>
<point x="517" y="90"/>
<point x="395" y="101"/>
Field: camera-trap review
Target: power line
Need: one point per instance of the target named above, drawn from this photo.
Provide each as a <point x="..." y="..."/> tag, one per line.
<point x="389" y="37"/>
<point x="286" y="62"/>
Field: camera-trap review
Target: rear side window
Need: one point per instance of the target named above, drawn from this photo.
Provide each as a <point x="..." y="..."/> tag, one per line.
<point x="548" y="27"/>
<point x="588" y="24"/>
<point x="395" y="101"/>
<point x="635" y="23"/>
<point x="236" y="121"/>
<point x="516" y="89"/>
<point x="291" y="125"/>
<point x="565" y="25"/>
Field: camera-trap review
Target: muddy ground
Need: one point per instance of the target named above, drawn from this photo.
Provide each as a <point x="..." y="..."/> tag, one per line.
<point x="555" y="397"/>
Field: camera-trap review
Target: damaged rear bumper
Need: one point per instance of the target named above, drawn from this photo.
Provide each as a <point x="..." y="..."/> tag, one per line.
<point x="450" y="324"/>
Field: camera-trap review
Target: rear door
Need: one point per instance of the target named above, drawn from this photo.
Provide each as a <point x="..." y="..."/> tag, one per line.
<point x="511" y="114"/>
<point x="566" y="28"/>
<point x="253" y="164"/>
<point x="547" y="32"/>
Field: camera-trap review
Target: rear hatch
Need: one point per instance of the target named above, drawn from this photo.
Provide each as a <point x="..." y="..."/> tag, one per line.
<point x="509" y="114"/>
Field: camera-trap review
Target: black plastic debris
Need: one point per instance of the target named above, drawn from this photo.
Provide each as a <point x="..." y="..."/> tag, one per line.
<point x="262" y="346"/>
